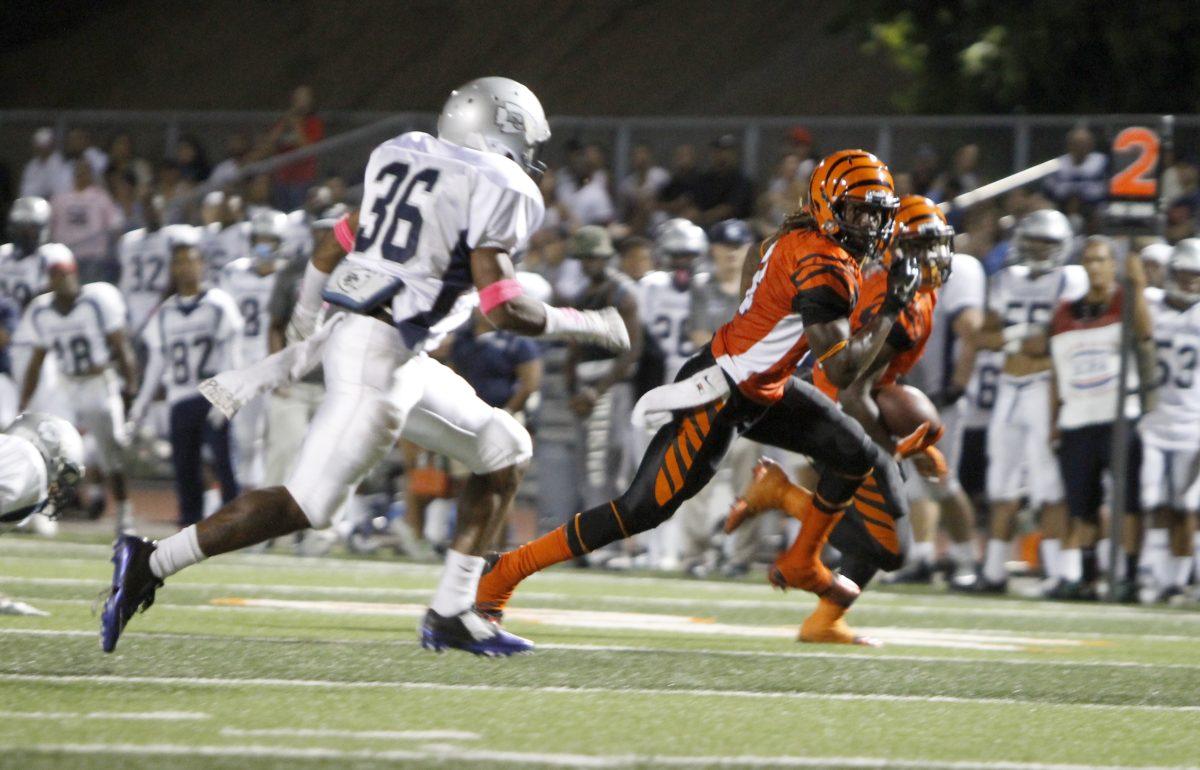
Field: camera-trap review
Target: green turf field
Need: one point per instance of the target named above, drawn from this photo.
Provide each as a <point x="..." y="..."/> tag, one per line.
<point x="275" y="661"/>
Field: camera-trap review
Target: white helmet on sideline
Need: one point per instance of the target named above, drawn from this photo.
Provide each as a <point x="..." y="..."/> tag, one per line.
<point x="1043" y="240"/>
<point x="1183" y="272"/>
<point x="499" y="115"/>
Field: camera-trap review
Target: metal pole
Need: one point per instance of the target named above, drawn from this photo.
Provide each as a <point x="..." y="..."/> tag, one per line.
<point x="622" y="147"/>
<point x="883" y="142"/>
<point x="1021" y="144"/>
<point x="751" y="139"/>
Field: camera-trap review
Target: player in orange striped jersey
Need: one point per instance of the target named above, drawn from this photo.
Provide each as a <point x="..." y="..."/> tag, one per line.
<point x="867" y="535"/>
<point x="798" y="297"/>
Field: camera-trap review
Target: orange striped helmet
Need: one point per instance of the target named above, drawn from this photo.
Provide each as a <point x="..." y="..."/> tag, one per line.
<point x="922" y="233"/>
<point x="853" y="200"/>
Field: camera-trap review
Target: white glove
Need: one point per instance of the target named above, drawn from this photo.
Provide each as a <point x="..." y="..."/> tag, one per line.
<point x="603" y="327"/>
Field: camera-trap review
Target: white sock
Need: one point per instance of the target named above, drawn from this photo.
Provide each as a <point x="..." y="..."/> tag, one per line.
<point x="175" y="552"/>
<point x="963" y="554"/>
<point x="1102" y="548"/>
<point x="995" y="562"/>
<point x="1181" y="570"/>
<point x="1196" y="548"/>
<point x="460" y="580"/>
<point x="1154" y="555"/>
<point x="1070" y="564"/>
<point x="124" y="513"/>
<point x="921" y="553"/>
<point x="1051" y="548"/>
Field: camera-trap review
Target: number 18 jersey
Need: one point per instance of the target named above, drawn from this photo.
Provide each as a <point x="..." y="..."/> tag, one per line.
<point x="426" y="205"/>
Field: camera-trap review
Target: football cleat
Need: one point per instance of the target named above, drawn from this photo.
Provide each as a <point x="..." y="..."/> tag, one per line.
<point x="765" y="492"/>
<point x="471" y="632"/>
<point x="820" y="628"/>
<point x="133" y="588"/>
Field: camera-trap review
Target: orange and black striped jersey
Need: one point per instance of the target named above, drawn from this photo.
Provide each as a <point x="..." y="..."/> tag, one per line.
<point x="803" y="278"/>
<point x="907" y="336"/>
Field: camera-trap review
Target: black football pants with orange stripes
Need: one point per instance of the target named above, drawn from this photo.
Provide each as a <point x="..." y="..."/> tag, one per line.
<point x="684" y="456"/>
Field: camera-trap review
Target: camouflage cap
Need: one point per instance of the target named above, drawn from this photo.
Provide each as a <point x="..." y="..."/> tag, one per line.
<point x="591" y="241"/>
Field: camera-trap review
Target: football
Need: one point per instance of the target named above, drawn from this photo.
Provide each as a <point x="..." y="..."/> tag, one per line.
<point x="902" y="408"/>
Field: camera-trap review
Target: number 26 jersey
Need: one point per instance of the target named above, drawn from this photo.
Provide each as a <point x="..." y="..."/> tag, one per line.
<point x="427" y="204"/>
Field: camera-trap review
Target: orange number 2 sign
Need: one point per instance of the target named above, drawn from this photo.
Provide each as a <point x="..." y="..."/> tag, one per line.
<point x="1137" y="180"/>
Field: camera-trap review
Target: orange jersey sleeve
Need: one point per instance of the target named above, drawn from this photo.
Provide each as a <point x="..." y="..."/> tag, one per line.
<point x="803" y="278"/>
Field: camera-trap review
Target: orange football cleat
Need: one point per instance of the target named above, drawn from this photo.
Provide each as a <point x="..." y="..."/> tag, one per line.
<point x="800" y="565"/>
<point x="827" y="625"/>
<point x="769" y="489"/>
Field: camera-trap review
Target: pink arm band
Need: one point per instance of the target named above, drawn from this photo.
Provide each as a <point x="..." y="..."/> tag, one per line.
<point x="498" y="293"/>
<point x="344" y="236"/>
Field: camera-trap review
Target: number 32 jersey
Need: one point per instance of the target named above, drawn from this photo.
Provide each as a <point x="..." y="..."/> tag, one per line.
<point x="1174" y="422"/>
<point x="426" y="205"/>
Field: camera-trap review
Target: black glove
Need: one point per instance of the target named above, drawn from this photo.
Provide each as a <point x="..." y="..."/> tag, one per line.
<point x="904" y="276"/>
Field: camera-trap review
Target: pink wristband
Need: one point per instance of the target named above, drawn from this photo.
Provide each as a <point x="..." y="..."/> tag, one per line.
<point x="344" y="236"/>
<point x="498" y="293"/>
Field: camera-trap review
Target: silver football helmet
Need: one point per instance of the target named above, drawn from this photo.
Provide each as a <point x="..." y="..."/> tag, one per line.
<point x="497" y="115"/>
<point x="267" y="229"/>
<point x="1183" y="272"/>
<point x="60" y="447"/>
<point x="29" y="222"/>
<point x="679" y="236"/>
<point x="1042" y="240"/>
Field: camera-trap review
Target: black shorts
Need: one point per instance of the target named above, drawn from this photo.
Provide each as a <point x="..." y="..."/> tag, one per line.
<point x="1084" y="456"/>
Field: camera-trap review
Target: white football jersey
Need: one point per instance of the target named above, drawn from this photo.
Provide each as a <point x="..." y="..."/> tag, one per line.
<point x="145" y="272"/>
<point x="982" y="388"/>
<point x="1174" y="423"/>
<point x="426" y="205"/>
<point x="251" y="292"/>
<point x="666" y="312"/>
<point x="79" y="338"/>
<point x="23" y="488"/>
<point x="297" y="238"/>
<point x="21" y="277"/>
<point x="1019" y="297"/>
<point x="221" y="245"/>
<point x="191" y="339"/>
<point x="965" y="288"/>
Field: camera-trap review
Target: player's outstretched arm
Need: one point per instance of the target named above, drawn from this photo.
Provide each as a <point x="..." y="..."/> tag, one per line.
<point x="503" y="302"/>
<point x="856" y="399"/>
<point x="33" y="375"/>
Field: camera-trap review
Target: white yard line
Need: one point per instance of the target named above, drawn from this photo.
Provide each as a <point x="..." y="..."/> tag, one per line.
<point x="171" y="681"/>
<point x="132" y="716"/>
<point x="843" y="653"/>
<point x="444" y="752"/>
<point x="397" y="735"/>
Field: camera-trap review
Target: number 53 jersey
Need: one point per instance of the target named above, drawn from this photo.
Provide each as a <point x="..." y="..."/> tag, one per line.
<point x="1174" y="423"/>
<point x="427" y="204"/>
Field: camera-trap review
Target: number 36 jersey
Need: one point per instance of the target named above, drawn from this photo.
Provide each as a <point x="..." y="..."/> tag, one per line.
<point x="426" y="205"/>
<point x="1174" y="423"/>
<point x="79" y="337"/>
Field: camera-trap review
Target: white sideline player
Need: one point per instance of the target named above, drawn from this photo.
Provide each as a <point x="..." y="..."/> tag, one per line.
<point x="440" y="217"/>
<point x="41" y="460"/>
<point x="145" y="260"/>
<point x="1021" y="302"/>
<point x="251" y="281"/>
<point x="224" y="236"/>
<point x="23" y="277"/>
<point x="85" y="327"/>
<point x="1170" y="432"/>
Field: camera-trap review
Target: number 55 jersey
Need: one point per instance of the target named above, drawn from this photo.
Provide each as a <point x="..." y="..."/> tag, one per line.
<point x="426" y="206"/>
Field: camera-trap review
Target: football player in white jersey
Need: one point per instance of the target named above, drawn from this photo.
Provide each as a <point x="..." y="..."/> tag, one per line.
<point x="41" y="460"/>
<point x="944" y="372"/>
<point x="1170" y="432"/>
<point x="23" y="277"/>
<point x="250" y="281"/>
<point x="194" y="334"/>
<point x="225" y="235"/>
<point x="666" y="295"/>
<point x="440" y="218"/>
<point x="85" y="327"/>
<point x="144" y="259"/>
<point x="1021" y="301"/>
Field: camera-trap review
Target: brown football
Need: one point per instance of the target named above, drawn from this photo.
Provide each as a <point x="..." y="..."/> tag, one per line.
<point x="902" y="408"/>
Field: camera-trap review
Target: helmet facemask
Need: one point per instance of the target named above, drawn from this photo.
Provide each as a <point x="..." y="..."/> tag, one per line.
<point x="930" y="247"/>
<point x="1041" y="255"/>
<point x="1183" y="285"/>
<point x="865" y="225"/>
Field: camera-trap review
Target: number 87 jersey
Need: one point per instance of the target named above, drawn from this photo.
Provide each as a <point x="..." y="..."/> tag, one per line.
<point x="427" y="204"/>
<point x="1174" y="423"/>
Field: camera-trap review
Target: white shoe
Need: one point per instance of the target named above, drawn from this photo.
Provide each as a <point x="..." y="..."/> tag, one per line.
<point x="43" y="525"/>
<point x="13" y="607"/>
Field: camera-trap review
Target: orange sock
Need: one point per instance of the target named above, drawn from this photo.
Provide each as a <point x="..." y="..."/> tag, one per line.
<point x="796" y="501"/>
<point x="800" y="566"/>
<point x="497" y="586"/>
